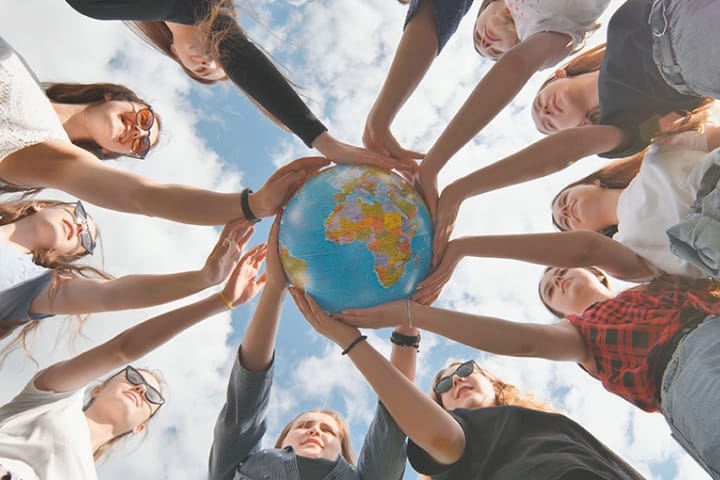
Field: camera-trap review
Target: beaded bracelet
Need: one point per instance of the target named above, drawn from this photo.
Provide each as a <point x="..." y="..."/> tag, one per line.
<point x="352" y="345"/>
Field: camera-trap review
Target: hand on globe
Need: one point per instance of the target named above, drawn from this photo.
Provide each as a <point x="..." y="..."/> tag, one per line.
<point x="445" y="216"/>
<point x="273" y="267"/>
<point x="337" y="331"/>
<point x="389" y="314"/>
<point x="282" y="184"/>
<point x="429" y="289"/>
<point x="426" y="184"/>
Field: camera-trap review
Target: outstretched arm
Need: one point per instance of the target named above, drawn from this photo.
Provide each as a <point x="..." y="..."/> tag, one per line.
<point x="544" y="157"/>
<point x="141" y="339"/>
<point x="414" y="55"/>
<point x="241" y="423"/>
<point x="78" y="295"/>
<point x="438" y="432"/>
<point x="557" y="249"/>
<point x="559" y="341"/>
<point x="497" y="88"/>
<point x="57" y="164"/>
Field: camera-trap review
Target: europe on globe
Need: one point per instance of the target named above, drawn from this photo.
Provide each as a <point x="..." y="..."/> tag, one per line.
<point x="356" y="236"/>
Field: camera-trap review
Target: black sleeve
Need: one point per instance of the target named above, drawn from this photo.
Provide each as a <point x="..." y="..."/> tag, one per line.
<point x="253" y="72"/>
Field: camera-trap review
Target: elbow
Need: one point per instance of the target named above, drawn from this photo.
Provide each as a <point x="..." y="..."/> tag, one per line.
<point x="447" y="447"/>
<point x="584" y="246"/>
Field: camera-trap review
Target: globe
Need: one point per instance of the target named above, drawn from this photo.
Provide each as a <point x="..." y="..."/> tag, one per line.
<point x="354" y="237"/>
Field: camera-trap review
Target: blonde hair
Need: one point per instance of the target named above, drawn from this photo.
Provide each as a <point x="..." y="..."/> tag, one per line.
<point x="105" y="450"/>
<point x="505" y="393"/>
<point x="346" y="447"/>
<point x="591" y="60"/>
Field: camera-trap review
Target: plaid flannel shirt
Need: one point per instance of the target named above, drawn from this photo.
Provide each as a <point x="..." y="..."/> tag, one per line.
<point x="627" y="334"/>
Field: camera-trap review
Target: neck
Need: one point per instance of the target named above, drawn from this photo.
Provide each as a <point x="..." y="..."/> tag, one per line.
<point x="589" y="88"/>
<point x="609" y="204"/>
<point x="101" y="430"/>
<point x="72" y="117"/>
<point x="21" y="235"/>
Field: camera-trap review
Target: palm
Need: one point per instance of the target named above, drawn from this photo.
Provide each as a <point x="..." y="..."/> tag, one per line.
<point x="244" y="283"/>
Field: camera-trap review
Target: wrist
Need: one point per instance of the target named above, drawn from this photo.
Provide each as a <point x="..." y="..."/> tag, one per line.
<point x="323" y="142"/>
<point x="401" y="340"/>
<point x="249" y="204"/>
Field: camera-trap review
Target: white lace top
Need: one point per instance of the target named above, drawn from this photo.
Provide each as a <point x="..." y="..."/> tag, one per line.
<point x="26" y="116"/>
<point x="16" y="267"/>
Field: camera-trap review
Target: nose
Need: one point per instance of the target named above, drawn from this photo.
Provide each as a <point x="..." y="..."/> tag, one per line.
<point x="314" y="431"/>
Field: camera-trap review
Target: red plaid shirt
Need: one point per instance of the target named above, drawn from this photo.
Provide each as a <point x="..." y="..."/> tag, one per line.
<point x="626" y="335"/>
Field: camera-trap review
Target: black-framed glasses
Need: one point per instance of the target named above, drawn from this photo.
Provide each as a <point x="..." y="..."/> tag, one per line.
<point x="144" y="120"/>
<point x="463" y="370"/>
<point x="81" y="218"/>
<point x="152" y="394"/>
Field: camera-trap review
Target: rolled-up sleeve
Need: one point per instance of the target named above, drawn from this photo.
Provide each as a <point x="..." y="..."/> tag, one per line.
<point x="15" y="301"/>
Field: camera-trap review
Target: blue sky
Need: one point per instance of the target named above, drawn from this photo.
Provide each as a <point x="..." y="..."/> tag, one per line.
<point x="338" y="52"/>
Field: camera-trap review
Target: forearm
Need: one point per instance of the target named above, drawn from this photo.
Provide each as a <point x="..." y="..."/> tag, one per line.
<point x="544" y="157"/>
<point x="143" y="338"/>
<point x="253" y="72"/>
<point x="259" y="341"/>
<point x="404" y="358"/>
<point x="558" y="249"/>
<point x="414" y="55"/>
<point x="438" y="432"/>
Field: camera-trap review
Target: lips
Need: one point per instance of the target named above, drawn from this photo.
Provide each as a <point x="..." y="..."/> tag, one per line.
<point x="69" y="229"/>
<point x="313" y="441"/>
<point x="489" y="36"/>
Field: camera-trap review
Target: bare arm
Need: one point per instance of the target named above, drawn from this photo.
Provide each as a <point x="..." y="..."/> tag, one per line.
<point x="143" y="338"/>
<point x="557" y="249"/>
<point x="438" y="432"/>
<point x="414" y="55"/>
<point x="64" y="166"/>
<point x="89" y="295"/>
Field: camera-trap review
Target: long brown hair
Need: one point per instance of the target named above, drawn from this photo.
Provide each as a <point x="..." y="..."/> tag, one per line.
<point x="615" y="175"/>
<point x="599" y="274"/>
<point x="80" y="93"/>
<point x="106" y="448"/>
<point x="505" y="393"/>
<point x="61" y="266"/>
<point x="591" y="60"/>
<point x="347" y="451"/>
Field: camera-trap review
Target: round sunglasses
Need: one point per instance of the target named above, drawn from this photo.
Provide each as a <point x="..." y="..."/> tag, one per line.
<point x="463" y="370"/>
<point x="144" y="120"/>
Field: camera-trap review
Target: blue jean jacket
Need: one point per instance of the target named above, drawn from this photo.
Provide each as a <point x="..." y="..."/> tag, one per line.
<point x="242" y="423"/>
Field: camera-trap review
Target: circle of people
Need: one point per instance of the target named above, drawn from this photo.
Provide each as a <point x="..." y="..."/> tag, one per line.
<point x="651" y="216"/>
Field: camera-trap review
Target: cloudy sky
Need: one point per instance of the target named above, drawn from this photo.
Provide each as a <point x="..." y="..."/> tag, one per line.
<point x="338" y="51"/>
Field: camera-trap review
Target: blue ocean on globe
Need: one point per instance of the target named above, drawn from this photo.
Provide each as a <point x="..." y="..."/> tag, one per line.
<point x="356" y="236"/>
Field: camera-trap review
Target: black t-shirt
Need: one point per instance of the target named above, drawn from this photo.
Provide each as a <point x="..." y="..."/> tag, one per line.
<point x="633" y="94"/>
<point x="244" y="63"/>
<point x="315" y="468"/>
<point x="513" y="442"/>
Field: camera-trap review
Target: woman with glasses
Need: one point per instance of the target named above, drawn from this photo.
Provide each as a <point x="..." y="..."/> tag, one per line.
<point x="42" y="133"/>
<point x="206" y="40"/>
<point x="474" y="425"/>
<point x="47" y="433"/>
<point x="316" y="443"/>
<point x="656" y="346"/>
<point x="41" y="240"/>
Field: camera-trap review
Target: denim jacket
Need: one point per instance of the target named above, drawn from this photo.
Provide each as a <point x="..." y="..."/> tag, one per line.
<point x="242" y="423"/>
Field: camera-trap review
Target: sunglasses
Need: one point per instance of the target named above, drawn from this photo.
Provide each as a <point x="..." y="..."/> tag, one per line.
<point x="152" y="394"/>
<point x="144" y="120"/>
<point x="463" y="370"/>
<point x="81" y="218"/>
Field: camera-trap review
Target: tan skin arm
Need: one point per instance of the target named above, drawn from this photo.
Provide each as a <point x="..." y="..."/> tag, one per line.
<point x="60" y="165"/>
<point x="143" y="338"/>
<point x="497" y="88"/>
<point x="557" y="249"/>
<point x="91" y="295"/>
<point x="438" y="433"/>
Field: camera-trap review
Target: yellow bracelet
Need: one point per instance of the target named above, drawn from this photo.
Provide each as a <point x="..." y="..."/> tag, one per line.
<point x="227" y="302"/>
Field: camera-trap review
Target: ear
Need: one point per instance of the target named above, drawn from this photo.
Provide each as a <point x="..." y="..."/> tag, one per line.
<point x="173" y="51"/>
<point x="139" y="428"/>
<point x="585" y="122"/>
<point x="95" y="392"/>
<point x="596" y="182"/>
<point x="560" y="73"/>
<point x="108" y="97"/>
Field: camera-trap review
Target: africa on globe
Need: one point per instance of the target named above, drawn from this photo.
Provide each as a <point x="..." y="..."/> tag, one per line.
<point x="356" y="236"/>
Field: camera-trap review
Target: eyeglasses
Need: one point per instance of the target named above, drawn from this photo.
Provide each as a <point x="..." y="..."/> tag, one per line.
<point x="463" y="370"/>
<point x="81" y="217"/>
<point x="152" y="394"/>
<point x="144" y="120"/>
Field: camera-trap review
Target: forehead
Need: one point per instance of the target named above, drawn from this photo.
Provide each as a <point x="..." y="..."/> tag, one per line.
<point x="317" y="417"/>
